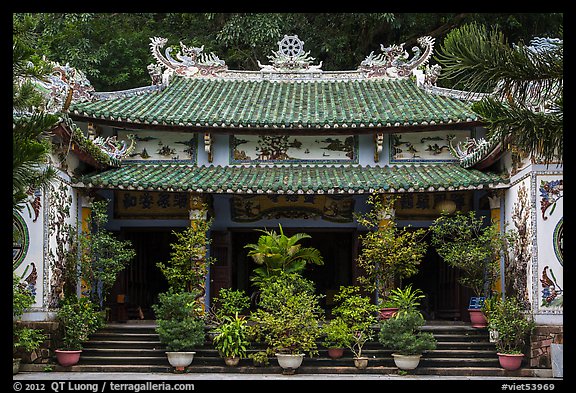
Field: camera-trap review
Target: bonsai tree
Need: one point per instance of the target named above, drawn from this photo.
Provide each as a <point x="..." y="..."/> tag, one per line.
<point x="358" y="314"/>
<point x="403" y="336"/>
<point x="102" y="255"/>
<point x="389" y="254"/>
<point x="466" y="243"/>
<point x="180" y="325"/>
<point x="231" y="339"/>
<point x="288" y="315"/>
<point x="276" y="252"/>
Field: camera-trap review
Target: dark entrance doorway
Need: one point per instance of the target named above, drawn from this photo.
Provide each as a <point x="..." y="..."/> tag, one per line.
<point x="141" y="281"/>
<point x="336" y="248"/>
<point x="445" y="298"/>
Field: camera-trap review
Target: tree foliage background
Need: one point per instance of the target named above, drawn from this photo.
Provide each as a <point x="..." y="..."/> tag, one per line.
<point x="113" y="48"/>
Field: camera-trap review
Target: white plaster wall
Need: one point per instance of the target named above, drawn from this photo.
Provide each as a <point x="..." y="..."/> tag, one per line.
<point x="543" y="229"/>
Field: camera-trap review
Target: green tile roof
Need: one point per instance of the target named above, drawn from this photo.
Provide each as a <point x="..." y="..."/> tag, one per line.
<point x="292" y="178"/>
<point x="325" y="103"/>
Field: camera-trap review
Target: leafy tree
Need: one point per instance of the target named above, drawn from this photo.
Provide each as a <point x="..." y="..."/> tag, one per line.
<point x="465" y="243"/>
<point x="102" y="255"/>
<point x="388" y="253"/>
<point x="187" y="268"/>
<point x="525" y="107"/>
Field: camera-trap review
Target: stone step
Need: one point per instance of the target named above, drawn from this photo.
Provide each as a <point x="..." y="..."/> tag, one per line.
<point x="461" y="350"/>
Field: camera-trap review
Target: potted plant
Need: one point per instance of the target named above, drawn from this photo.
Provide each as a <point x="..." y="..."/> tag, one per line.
<point x="180" y="326"/>
<point x="78" y="318"/>
<point x="514" y="326"/>
<point x="389" y="254"/>
<point x="24" y="338"/>
<point x="288" y="318"/>
<point x="403" y="336"/>
<point x="229" y="302"/>
<point x="231" y="339"/>
<point x="358" y="314"/>
<point x="337" y="337"/>
<point x="276" y="252"/>
<point x="259" y="358"/>
<point x="404" y="300"/>
<point x="467" y="244"/>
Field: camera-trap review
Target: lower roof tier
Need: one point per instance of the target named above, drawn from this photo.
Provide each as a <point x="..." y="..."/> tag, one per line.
<point x="289" y="179"/>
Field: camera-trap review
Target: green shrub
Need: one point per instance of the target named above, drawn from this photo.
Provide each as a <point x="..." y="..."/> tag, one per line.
<point x="79" y="318"/>
<point x="402" y="334"/>
<point x="512" y="323"/>
<point x="230" y="302"/>
<point x="180" y="325"/>
<point x="288" y="316"/>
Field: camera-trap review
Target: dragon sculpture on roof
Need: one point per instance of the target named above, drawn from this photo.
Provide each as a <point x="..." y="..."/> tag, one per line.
<point x="394" y="63"/>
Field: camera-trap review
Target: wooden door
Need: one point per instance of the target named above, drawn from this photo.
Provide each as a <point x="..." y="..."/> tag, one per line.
<point x="221" y="270"/>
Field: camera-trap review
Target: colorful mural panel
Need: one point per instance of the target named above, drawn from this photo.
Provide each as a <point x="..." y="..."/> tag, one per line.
<point x="550" y="231"/>
<point x="152" y="146"/>
<point x="293" y="149"/>
<point x="432" y="146"/>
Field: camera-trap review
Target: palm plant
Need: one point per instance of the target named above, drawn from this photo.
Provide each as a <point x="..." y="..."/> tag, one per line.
<point x="525" y="107"/>
<point x="30" y="137"/>
<point x="276" y="253"/>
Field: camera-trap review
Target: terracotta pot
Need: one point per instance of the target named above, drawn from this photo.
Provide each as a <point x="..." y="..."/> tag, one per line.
<point x="387" y="313"/>
<point x="510" y="361"/>
<point x="477" y="318"/>
<point x="67" y="358"/>
<point x="406" y="362"/>
<point x="335" y="353"/>
<point x="361" y="363"/>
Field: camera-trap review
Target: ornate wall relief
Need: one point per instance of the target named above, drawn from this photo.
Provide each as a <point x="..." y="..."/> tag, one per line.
<point x="154" y="146"/>
<point x="254" y="208"/>
<point x="293" y="149"/>
<point x="426" y="147"/>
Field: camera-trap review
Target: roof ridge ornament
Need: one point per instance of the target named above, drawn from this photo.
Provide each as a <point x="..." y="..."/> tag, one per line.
<point x="191" y="61"/>
<point x="393" y="62"/>
<point x="290" y="57"/>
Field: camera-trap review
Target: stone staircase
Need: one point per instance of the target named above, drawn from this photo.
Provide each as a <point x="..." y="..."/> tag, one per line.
<point x="135" y="347"/>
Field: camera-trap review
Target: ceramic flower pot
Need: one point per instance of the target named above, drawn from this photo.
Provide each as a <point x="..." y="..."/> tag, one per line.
<point x="67" y="358"/>
<point x="361" y="363"/>
<point x="232" y="361"/>
<point x="509" y="361"/>
<point x="180" y="360"/>
<point x="289" y="362"/>
<point x="477" y="318"/>
<point x="406" y="362"/>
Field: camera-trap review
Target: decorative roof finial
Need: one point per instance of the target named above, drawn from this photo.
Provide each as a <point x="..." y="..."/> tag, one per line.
<point x="393" y="62"/>
<point x="191" y="61"/>
<point x="290" y="57"/>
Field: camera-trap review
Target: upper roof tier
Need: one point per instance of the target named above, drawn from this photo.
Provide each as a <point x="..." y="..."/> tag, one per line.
<point x="388" y="91"/>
